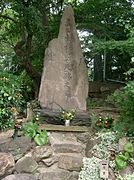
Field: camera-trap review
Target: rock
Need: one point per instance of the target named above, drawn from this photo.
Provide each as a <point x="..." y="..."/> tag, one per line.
<point x="74" y="175"/>
<point x="61" y="137"/>
<point x="30" y="113"/>
<point x="57" y="174"/>
<point x="7" y="164"/>
<point x="29" y="154"/>
<point x="5" y="135"/>
<point x="70" y="162"/>
<point x="122" y="142"/>
<point x="65" y="78"/>
<point x="41" y="152"/>
<point x="111" y="175"/>
<point x="68" y="147"/>
<point x="49" y="161"/>
<point x="17" y="147"/>
<point x="90" y="144"/>
<point x="26" y="165"/>
<point x="65" y="143"/>
<point x="127" y="170"/>
<point x="104" y="89"/>
<point x="20" y="177"/>
<point x="83" y="137"/>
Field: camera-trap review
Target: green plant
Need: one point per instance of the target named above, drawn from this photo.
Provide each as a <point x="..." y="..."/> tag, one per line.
<point x="122" y="160"/>
<point x="30" y="129"/>
<point x="107" y="142"/>
<point x="126" y="177"/>
<point x="90" y="169"/>
<point x="104" y="121"/>
<point x="124" y="100"/>
<point x="11" y="99"/>
<point x="41" y="137"/>
<point x="33" y="131"/>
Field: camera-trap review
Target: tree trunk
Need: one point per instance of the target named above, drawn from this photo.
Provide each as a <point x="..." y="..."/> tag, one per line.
<point x="23" y="49"/>
<point x="98" y="68"/>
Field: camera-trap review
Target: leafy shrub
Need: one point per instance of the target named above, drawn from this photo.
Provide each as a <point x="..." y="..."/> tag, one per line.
<point x="33" y="131"/>
<point x="11" y="99"/>
<point x="123" y="159"/>
<point x="124" y="100"/>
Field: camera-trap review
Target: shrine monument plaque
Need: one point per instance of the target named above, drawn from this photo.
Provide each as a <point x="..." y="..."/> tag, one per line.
<point x="64" y="80"/>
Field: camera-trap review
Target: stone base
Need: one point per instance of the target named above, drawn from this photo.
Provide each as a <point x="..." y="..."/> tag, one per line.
<point x="52" y="117"/>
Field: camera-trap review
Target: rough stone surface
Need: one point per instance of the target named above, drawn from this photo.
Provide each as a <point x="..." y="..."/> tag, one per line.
<point x="111" y="175"/>
<point x="65" y="143"/>
<point x="62" y="129"/>
<point x="68" y="147"/>
<point x="65" y="79"/>
<point x="20" y="177"/>
<point x="7" y="164"/>
<point x="61" y="137"/>
<point x="74" y="175"/>
<point x="122" y="142"/>
<point x="84" y="137"/>
<point x="5" y="135"/>
<point x="26" y="165"/>
<point x="49" y="161"/>
<point x="70" y="162"/>
<point x="60" y="159"/>
<point x="41" y="152"/>
<point x="104" y="89"/>
<point x="90" y="144"/>
<point x="57" y="174"/>
<point x="17" y="147"/>
<point x="127" y="170"/>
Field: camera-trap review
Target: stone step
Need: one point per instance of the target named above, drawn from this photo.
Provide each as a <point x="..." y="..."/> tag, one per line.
<point x="65" y="143"/>
<point x="70" y="162"/>
<point x="67" y="148"/>
<point x="52" y="127"/>
<point x="57" y="174"/>
<point x="20" y="177"/>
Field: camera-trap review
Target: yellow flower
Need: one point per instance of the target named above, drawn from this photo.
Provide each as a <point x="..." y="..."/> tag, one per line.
<point x="14" y="110"/>
<point x="19" y="95"/>
<point x="4" y="79"/>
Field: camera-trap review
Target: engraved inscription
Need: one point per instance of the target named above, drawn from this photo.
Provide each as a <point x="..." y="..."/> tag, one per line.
<point x="68" y="65"/>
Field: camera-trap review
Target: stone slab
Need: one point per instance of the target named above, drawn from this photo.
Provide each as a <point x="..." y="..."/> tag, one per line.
<point x="52" y="127"/>
<point x="20" y="177"/>
<point x="57" y="174"/>
<point x="17" y="147"/>
<point x="26" y="165"/>
<point x="70" y="162"/>
<point x="68" y="147"/>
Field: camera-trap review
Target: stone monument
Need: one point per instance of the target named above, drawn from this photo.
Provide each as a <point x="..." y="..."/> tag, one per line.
<point x="65" y="79"/>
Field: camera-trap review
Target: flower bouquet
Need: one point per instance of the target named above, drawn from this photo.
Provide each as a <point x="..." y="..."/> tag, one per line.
<point x="104" y="121"/>
<point x="66" y="116"/>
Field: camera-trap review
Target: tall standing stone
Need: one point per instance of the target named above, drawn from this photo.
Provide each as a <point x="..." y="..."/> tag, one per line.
<point x="65" y="79"/>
